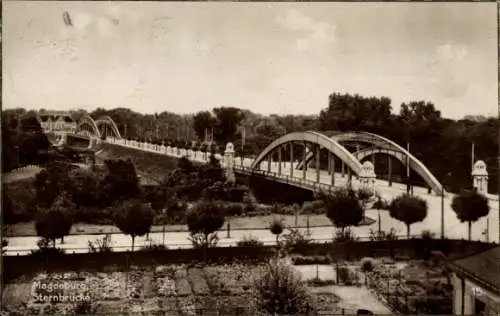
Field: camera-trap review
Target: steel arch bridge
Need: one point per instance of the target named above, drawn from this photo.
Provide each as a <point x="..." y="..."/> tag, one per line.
<point x="103" y="126"/>
<point x="313" y="142"/>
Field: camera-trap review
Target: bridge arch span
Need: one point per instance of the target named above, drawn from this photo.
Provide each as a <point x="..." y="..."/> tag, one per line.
<point x="315" y="138"/>
<point x="107" y="120"/>
<point x="386" y="146"/>
<point x="89" y="122"/>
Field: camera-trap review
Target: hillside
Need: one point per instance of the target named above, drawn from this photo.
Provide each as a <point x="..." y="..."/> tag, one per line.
<point x="151" y="167"/>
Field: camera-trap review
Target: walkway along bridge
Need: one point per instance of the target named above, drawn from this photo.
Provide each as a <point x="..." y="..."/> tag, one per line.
<point x="280" y="162"/>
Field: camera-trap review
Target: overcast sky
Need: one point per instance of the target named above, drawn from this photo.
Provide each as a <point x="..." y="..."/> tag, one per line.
<point x="265" y="57"/>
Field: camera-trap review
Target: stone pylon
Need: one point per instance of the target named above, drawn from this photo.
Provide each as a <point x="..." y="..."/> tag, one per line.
<point x="480" y="177"/>
<point x="367" y="177"/>
<point x="229" y="163"/>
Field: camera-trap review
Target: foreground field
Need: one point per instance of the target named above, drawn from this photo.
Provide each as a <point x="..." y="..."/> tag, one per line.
<point x="161" y="290"/>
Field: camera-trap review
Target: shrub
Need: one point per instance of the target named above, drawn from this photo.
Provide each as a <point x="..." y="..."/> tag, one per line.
<point x="281" y="291"/>
<point x="249" y="209"/>
<point x="344" y="235"/>
<point x="198" y="240"/>
<point x="250" y="241"/>
<point x="153" y="247"/>
<point x="382" y="235"/>
<point x="367" y="264"/>
<point x="318" y="207"/>
<point x="237" y="193"/>
<point x="101" y="244"/>
<point x="305" y="260"/>
<point x="320" y="282"/>
<point x="295" y="240"/>
<point x="45" y="250"/>
<point x="427" y="234"/>
<point x="345" y="276"/>
<point x="233" y="209"/>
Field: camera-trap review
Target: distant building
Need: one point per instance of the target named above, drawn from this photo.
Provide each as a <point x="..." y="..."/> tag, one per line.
<point x="57" y="122"/>
<point x="476" y="284"/>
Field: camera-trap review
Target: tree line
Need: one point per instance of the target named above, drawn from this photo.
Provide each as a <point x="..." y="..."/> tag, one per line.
<point x="442" y="144"/>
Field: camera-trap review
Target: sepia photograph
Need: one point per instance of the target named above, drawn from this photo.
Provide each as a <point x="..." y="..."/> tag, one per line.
<point x="250" y="158"/>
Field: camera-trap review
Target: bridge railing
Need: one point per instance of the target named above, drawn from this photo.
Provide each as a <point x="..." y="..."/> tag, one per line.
<point x="204" y="156"/>
<point x="311" y="184"/>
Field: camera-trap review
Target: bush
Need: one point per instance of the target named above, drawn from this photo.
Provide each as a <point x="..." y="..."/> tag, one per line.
<point x="237" y="193"/>
<point x="320" y="282"/>
<point x="314" y="207"/>
<point x="305" y="260"/>
<point x="345" y="276"/>
<point x="249" y="209"/>
<point x="101" y="244"/>
<point x="318" y="207"/>
<point x="153" y="247"/>
<point x="367" y="264"/>
<point x="281" y="291"/>
<point x="45" y="250"/>
<point x="427" y="234"/>
<point x="295" y="240"/>
<point x="382" y="235"/>
<point x="250" y="241"/>
<point x="346" y="235"/>
<point x="198" y="240"/>
<point x="233" y="209"/>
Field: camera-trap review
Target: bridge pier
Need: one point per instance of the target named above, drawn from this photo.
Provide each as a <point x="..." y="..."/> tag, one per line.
<point x="480" y="177"/>
<point x="229" y="163"/>
<point x="291" y="159"/>
<point x="367" y="177"/>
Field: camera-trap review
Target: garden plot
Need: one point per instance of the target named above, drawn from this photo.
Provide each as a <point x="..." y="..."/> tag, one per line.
<point x="176" y="290"/>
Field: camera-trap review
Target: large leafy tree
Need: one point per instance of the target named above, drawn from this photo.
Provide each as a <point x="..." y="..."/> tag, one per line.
<point x="342" y="207"/>
<point x="133" y="218"/>
<point x="211" y="172"/>
<point x="50" y="183"/>
<point x="54" y="222"/>
<point x="84" y="186"/>
<point x="354" y="112"/>
<point x="470" y="206"/>
<point x="121" y="181"/>
<point x="228" y="120"/>
<point x="203" y="122"/>
<point x="408" y="209"/>
<point x="23" y="140"/>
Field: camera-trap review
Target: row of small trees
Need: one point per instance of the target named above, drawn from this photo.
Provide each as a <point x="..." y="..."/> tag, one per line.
<point x="344" y="207"/>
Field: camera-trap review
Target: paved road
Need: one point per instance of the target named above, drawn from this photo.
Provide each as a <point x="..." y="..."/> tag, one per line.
<point x="120" y="242"/>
